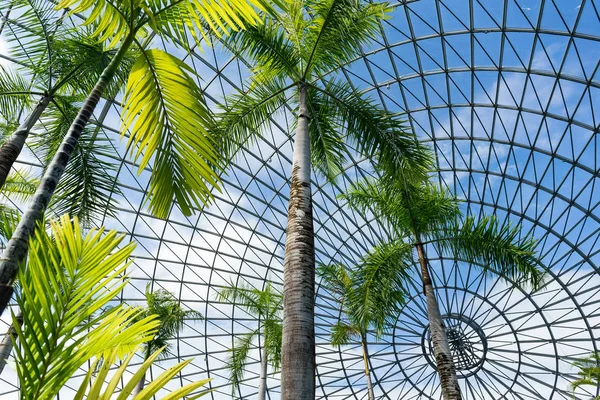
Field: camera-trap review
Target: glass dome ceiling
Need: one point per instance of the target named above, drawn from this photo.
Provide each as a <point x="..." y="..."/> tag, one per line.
<point x="507" y="93"/>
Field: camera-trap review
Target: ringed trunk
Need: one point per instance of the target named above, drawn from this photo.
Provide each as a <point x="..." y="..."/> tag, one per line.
<point x="441" y="349"/>
<point x="9" y="339"/>
<point x="262" y="384"/>
<point x="12" y="147"/>
<point x="298" y="347"/>
<point x="16" y="248"/>
<point x="367" y="372"/>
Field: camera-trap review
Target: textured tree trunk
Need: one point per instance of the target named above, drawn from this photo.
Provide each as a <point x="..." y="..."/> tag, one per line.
<point x="298" y="347"/>
<point x="367" y="372"/>
<point x="262" y="384"/>
<point x="7" y="342"/>
<point x="16" y="248"/>
<point x="11" y="148"/>
<point x="441" y="349"/>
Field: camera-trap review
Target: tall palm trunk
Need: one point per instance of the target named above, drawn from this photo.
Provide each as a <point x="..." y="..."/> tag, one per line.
<point x="140" y="385"/>
<point x="367" y="372"/>
<point x="298" y="346"/>
<point x="262" y="384"/>
<point x="16" y="248"/>
<point x="12" y="147"/>
<point x="9" y="338"/>
<point x="441" y="349"/>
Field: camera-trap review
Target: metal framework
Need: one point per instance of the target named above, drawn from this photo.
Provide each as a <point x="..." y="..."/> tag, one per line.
<point x="507" y="93"/>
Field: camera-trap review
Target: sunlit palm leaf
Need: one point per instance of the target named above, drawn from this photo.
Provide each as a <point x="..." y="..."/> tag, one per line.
<point x="20" y="186"/>
<point x="68" y="279"/>
<point x="168" y="121"/>
<point x="98" y="386"/>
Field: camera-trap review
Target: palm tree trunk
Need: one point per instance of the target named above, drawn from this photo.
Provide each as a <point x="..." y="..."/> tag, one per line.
<point x="441" y="349"/>
<point x="16" y="248"/>
<point x="9" y="338"/>
<point x="367" y="372"/>
<point x="262" y="384"/>
<point x="298" y="347"/>
<point x="11" y="148"/>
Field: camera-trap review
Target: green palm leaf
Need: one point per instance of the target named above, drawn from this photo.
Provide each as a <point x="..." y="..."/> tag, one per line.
<point x="168" y="121"/>
<point x="498" y="248"/>
<point x="68" y="279"/>
<point x="14" y="94"/>
<point x="236" y="363"/>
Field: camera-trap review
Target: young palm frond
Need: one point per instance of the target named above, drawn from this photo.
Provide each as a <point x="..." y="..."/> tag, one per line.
<point x="343" y="334"/>
<point x="67" y="271"/>
<point x="236" y="363"/>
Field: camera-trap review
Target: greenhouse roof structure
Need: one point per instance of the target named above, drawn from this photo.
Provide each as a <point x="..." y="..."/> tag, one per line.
<point x="507" y="93"/>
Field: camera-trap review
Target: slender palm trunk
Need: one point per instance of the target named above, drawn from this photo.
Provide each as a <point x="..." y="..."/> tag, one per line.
<point x="140" y="385"/>
<point x="17" y="246"/>
<point x="298" y="347"/>
<point x="9" y="338"/>
<point x="441" y="349"/>
<point x="12" y="147"/>
<point x="262" y="384"/>
<point x="367" y="372"/>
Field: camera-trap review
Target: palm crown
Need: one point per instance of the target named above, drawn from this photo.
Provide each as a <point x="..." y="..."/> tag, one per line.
<point x="425" y="213"/>
<point x="296" y="49"/>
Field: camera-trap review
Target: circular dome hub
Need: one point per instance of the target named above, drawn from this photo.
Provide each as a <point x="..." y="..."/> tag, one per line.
<point x="467" y="342"/>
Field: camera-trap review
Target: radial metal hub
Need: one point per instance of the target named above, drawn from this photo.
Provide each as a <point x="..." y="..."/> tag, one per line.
<point x="467" y="342"/>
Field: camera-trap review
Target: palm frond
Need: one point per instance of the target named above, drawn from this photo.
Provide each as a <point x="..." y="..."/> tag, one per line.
<point x="109" y="19"/>
<point x="376" y="133"/>
<point x="267" y="45"/>
<point x="166" y="307"/>
<point x="588" y="371"/>
<point x="496" y="247"/>
<point x="14" y="93"/>
<point x="68" y="279"/>
<point x="328" y="150"/>
<point x="178" y="19"/>
<point x="20" y="186"/>
<point x="343" y="334"/>
<point x="380" y="280"/>
<point x="244" y="120"/>
<point x="88" y="187"/>
<point x="96" y="386"/>
<point x="236" y="363"/>
<point x="273" y="337"/>
<point x="168" y="119"/>
<point x="31" y="35"/>
<point x="387" y="202"/>
<point x="335" y="278"/>
<point x="243" y="296"/>
<point x="340" y="29"/>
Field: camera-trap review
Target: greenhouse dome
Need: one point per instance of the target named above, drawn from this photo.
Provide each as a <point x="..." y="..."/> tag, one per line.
<point x="504" y="92"/>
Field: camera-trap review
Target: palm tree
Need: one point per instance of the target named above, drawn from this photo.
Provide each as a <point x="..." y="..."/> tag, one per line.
<point x="165" y="306"/>
<point x="163" y="107"/>
<point x="58" y="61"/>
<point x="265" y="306"/>
<point x="589" y="372"/>
<point x="293" y="53"/>
<point x="66" y="271"/>
<point x="368" y="297"/>
<point x="421" y="213"/>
